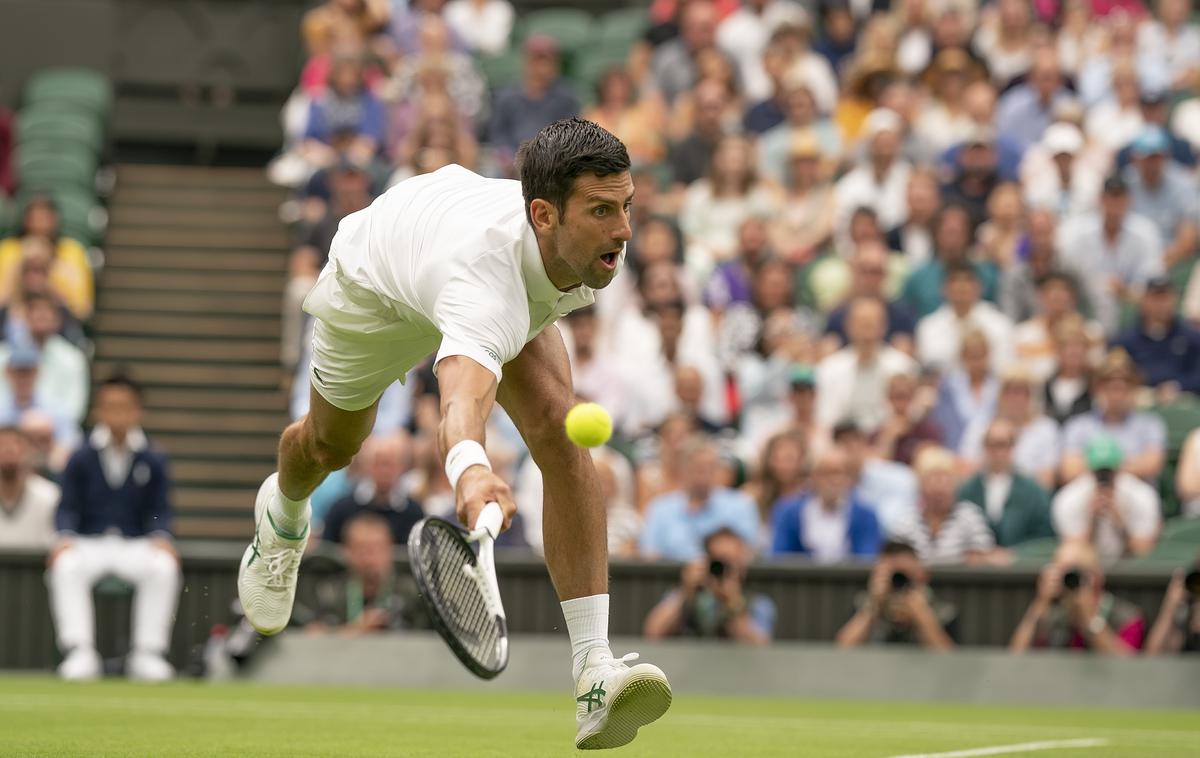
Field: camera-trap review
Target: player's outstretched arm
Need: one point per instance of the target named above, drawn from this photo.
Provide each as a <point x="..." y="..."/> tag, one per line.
<point x="468" y="392"/>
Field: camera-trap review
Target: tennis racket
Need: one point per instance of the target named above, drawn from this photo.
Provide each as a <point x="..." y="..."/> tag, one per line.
<point x="459" y="587"/>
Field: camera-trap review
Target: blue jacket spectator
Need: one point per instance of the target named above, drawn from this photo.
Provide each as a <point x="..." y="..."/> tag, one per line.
<point x="827" y="523"/>
<point x="677" y="522"/>
<point x="346" y="108"/>
<point x="522" y="109"/>
<point x="1164" y="348"/>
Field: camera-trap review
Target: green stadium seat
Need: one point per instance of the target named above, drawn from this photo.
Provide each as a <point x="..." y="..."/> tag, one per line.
<point x="590" y="65"/>
<point x="1182" y="532"/>
<point x="1180" y="417"/>
<point x="571" y="27"/>
<point x="623" y="27"/>
<point x="500" y="70"/>
<point x="82" y="86"/>
<point x="1036" y="551"/>
<point x="42" y="126"/>
<point x="57" y="166"/>
<point x="81" y="217"/>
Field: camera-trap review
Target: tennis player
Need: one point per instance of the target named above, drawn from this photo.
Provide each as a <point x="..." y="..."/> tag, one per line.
<point x="476" y="270"/>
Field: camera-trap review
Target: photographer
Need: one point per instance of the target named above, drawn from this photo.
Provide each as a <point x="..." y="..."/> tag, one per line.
<point x="1113" y="510"/>
<point x="898" y="606"/>
<point x="1072" y="610"/>
<point x="1177" y="629"/>
<point x="711" y="601"/>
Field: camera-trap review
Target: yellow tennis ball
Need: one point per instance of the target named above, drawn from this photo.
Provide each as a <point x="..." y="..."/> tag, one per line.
<point x="589" y="425"/>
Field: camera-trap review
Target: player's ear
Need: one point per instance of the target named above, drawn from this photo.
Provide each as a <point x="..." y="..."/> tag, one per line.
<point x="543" y="214"/>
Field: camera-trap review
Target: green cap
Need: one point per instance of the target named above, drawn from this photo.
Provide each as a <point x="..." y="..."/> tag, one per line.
<point x="802" y="374"/>
<point x="1103" y="452"/>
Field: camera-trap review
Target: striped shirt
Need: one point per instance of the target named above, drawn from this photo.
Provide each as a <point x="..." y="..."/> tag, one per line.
<point x="965" y="530"/>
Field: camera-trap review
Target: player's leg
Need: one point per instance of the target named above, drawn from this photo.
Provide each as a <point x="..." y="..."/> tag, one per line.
<point x="613" y="700"/>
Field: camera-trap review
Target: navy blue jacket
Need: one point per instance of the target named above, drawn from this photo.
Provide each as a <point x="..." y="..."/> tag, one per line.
<point x="1175" y="358"/>
<point x="862" y="528"/>
<point x="89" y="506"/>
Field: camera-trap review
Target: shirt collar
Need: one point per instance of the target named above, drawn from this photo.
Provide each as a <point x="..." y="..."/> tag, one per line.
<point x="537" y="281"/>
<point x="101" y="438"/>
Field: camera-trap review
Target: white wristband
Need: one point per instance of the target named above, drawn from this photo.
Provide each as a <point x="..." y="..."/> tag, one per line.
<point x="463" y="456"/>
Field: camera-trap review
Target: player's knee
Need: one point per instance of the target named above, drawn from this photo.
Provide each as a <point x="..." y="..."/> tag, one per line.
<point x="331" y="455"/>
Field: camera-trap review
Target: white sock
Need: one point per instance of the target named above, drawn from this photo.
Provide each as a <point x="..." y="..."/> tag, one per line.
<point x="587" y="623"/>
<point x="289" y="515"/>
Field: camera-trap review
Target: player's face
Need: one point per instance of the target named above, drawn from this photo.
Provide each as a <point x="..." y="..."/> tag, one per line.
<point x="595" y="227"/>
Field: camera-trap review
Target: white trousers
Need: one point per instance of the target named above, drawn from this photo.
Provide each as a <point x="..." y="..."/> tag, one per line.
<point x="153" y="572"/>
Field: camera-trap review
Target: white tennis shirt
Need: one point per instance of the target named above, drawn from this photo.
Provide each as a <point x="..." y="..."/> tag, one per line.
<point x="454" y="253"/>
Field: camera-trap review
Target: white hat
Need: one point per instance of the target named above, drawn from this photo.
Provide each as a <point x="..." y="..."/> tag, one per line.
<point x="1062" y="138"/>
<point x="882" y="120"/>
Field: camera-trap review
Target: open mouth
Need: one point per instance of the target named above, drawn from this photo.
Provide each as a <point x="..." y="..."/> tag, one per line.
<point x="610" y="259"/>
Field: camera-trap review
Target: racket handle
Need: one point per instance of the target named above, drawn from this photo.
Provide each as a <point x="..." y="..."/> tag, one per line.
<point x="491" y="518"/>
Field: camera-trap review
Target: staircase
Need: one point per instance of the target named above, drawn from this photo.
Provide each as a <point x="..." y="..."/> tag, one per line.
<point x="189" y="302"/>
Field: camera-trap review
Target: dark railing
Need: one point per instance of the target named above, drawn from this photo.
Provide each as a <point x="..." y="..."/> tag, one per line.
<point x="813" y="601"/>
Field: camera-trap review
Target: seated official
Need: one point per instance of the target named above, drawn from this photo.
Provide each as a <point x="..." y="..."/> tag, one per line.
<point x="826" y="523"/>
<point x="898" y="606"/>
<point x="114" y="519"/>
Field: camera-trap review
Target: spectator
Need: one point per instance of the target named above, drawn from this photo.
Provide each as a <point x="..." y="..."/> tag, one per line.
<point x="1036" y="445"/>
<point x="48" y="457"/>
<point x="947" y="530"/>
<point x="675" y="66"/>
<point x="1016" y="506"/>
<point x="381" y="491"/>
<point x="1005" y="41"/>
<point x="340" y="25"/>
<point x="1187" y="475"/>
<point x="711" y="601"/>
<point x="33" y="278"/>
<point x="732" y="282"/>
<point x="594" y="374"/>
<point x="745" y="34"/>
<point x="27" y="501"/>
<point x="370" y="597"/>
<point x="909" y="425"/>
<point x="1026" y="110"/>
<point x="541" y="97"/>
<point x="408" y="25"/>
<point x="1057" y="174"/>
<point x="801" y="117"/>
<point x="63" y="369"/>
<point x="768" y="112"/>
<point x="742" y="325"/>
<point x="677" y="522"/>
<point x="638" y="122"/>
<point x="885" y="486"/>
<point x="945" y="122"/>
<point x="1019" y="296"/>
<point x="826" y="523"/>
<point x="952" y="246"/>
<point x="350" y="192"/>
<point x="660" y="459"/>
<point x="438" y="137"/>
<point x="1166" y="349"/>
<point x="1068" y="390"/>
<point x="839" y="33"/>
<point x="852" y="381"/>
<point x="1113" y="510"/>
<point x="690" y="156"/>
<point x="880" y="180"/>
<point x="1156" y="107"/>
<point x="1177" y="629"/>
<point x="1072" y="610"/>
<point x="1116" y="120"/>
<point x="975" y="171"/>
<point x="1115" y="252"/>
<point x="70" y="270"/>
<point x="940" y="334"/>
<point x="346" y="119"/>
<point x="1141" y="436"/>
<point x="715" y="207"/>
<point x="898" y="607"/>
<point x="869" y="275"/>
<point x="914" y="238"/>
<point x="1164" y="192"/>
<point x="115" y="519"/>
<point x="1001" y="237"/>
<point x="779" y="395"/>
<point x="967" y="396"/>
<point x="484" y="25"/>
<point x="21" y="392"/>
<point x="1034" y="345"/>
<point x="781" y="472"/>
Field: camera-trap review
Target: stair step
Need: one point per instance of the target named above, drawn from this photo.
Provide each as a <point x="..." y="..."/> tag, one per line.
<point x="240" y="304"/>
<point x="239" y="499"/>
<point x="230" y="422"/>
<point x="195" y="349"/>
<point x="216" y="283"/>
<point x="177" y="374"/>
<point x="218" y="238"/>
<point x="223" y="399"/>
<point x="198" y="260"/>
<point x="195" y="176"/>
<point x="241" y="527"/>
<point x="233" y="474"/>
<point x="218" y="446"/>
<point x="196" y="217"/>
<point x="265" y="201"/>
<point x="227" y="327"/>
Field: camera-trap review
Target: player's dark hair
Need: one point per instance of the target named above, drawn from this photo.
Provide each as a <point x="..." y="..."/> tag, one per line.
<point x="561" y="152"/>
<point x="121" y="379"/>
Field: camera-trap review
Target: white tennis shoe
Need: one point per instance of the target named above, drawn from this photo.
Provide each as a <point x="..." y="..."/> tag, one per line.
<point x="267" y="576"/>
<point x="615" y="700"/>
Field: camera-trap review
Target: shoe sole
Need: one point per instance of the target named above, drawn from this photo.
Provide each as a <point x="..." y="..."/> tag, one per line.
<point x="643" y="700"/>
<point x="259" y="507"/>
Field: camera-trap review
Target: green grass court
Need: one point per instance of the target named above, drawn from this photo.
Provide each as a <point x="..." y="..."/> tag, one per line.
<point x="44" y="717"/>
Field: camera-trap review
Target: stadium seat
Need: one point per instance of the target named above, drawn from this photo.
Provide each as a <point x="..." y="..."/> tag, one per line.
<point x="80" y="217"/>
<point x="590" y="65"/>
<point x="1182" y="532"/>
<point x="57" y="166"/>
<point x="623" y="27"/>
<point x="500" y="70"/>
<point x="1036" y="551"/>
<point x="1181" y="417"/>
<point x="81" y="86"/>
<point x="38" y="126"/>
<point x="6" y="216"/>
<point x="572" y="28"/>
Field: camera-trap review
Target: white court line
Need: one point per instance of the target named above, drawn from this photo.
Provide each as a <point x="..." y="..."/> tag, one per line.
<point x="1024" y="747"/>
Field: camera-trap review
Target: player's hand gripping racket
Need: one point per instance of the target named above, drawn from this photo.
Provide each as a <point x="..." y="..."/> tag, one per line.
<point x="460" y="589"/>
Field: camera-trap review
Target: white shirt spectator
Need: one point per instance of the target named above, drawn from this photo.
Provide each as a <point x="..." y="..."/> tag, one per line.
<point x="848" y="390"/>
<point x="964" y="531"/>
<point x="1135" y="256"/>
<point x="1179" y="53"/>
<point x="1038" y="446"/>
<point x="485" y="25"/>
<point x="1136" y="501"/>
<point x="939" y="336"/>
<point x="1112" y="126"/>
<point x="825" y="532"/>
<point x="996" y="488"/>
<point x="887" y="198"/>
<point x="29" y="522"/>
<point x="1034" y="348"/>
<point x="63" y="376"/>
<point x="744" y="34"/>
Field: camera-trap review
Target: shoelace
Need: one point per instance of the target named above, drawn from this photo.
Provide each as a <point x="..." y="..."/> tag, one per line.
<point x="279" y="564"/>
<point x="627" y="658"/>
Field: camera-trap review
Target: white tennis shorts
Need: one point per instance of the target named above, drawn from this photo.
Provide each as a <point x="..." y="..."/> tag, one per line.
<point x="361" y="342"/>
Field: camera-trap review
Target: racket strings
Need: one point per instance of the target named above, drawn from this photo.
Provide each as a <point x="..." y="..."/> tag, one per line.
<point x="459" y="598"/>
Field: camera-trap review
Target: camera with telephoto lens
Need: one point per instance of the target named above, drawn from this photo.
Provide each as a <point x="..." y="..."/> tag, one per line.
<point x="900" y="581"/>
<point x="1105" y="476"/>
<point x="1073" y="579"/>
<point x="1192" y="581"/>
<point x="717" y="568"/>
